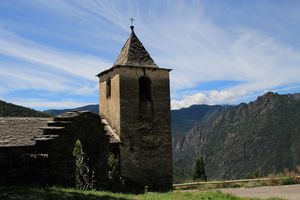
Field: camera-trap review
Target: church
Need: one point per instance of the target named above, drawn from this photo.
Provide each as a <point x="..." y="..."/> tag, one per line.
<point x="132" y="131"/>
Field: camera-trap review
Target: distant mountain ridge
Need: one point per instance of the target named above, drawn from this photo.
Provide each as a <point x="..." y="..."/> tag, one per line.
<point x="12" y="110"/>
<point x="261" y="136"/>
<point x="93" y="108"/>
<point x="182" y="120"/>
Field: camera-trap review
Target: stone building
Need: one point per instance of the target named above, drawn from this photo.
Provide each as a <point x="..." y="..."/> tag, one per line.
<point x="135" y="100"/>
<point x="133" y="125"/>
<point x="40" y="150"/>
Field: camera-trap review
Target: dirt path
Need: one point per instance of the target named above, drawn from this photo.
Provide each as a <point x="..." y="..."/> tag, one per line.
<point x="290" y="192"/>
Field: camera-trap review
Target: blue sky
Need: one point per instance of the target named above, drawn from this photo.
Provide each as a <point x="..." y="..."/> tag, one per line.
<point x="221" y="52"/>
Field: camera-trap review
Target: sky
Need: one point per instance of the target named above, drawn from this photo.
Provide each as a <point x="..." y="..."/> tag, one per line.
<point x="221" y="52"/>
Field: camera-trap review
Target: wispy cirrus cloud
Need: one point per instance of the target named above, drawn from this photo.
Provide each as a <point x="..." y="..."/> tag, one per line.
<point x="25" y="65"/>
<point x="81" y="65"/>
<point x="44" y="104"/>
<point x="192" y="37"/>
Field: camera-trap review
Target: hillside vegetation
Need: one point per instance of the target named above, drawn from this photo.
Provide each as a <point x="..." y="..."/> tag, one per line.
<point x="261" y="137"/>
<point x="12" y="110"/>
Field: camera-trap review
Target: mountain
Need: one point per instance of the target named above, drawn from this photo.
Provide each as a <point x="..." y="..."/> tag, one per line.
<point x="92" y="108"/>
<point x="12" y="110"/>
<point x="184" y="119"/>
<point x="262" y="136"/>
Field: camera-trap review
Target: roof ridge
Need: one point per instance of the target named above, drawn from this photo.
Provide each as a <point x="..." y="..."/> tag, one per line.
<point x="134" y="53"/>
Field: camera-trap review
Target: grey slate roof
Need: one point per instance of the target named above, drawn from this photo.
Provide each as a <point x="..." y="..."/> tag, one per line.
<point x="110" y="132"/>
<point x="114" y="138"/>
<point x="134" y="53"/>
<point x="25" y="131"/>
<point x="20" y="131"/>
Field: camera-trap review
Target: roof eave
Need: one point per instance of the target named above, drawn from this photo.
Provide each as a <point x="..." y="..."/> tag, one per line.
<point x="132" y="66"/>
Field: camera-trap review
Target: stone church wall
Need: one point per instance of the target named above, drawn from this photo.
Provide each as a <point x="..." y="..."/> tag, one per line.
<point x="51" y="161"/>
<point x="146" y="150"/>
<point x="110" y="106"/>
<point x="18" y="168"/>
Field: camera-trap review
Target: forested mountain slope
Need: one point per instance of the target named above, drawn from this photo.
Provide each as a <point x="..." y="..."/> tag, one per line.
<point x="12" y="110"/>
<point x="262" y="136"/>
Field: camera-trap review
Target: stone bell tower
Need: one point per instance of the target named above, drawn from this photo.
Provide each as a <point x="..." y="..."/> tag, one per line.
<point x="135" y="101"/>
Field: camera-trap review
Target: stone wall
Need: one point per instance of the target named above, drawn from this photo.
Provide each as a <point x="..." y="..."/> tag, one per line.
<point x="87" y="128"/>
<point x="18" y="167"/>
<point x="144" y="126"/>
<point x="51" y="161"/>
<point x="146" y="150"/>
<point x="110" y="106"/>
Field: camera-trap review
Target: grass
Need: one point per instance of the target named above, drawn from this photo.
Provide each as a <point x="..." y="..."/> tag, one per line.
<point x="271" y="180"/>
<point x="286" y="177"/>
<point x="55" y="193"/>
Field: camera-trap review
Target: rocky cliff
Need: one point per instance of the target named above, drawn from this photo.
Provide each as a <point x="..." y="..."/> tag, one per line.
<point x="262" y="136"/>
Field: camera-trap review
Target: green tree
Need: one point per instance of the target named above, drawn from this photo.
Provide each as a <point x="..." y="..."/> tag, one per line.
<point x="199" y="169"/>
<point x="114" y="175"/>
<point x="84" y="177"/>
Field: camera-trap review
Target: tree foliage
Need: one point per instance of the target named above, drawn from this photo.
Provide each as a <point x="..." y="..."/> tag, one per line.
<point x="114" y="175"/>
<point x="199" y="169"/>
<point x="84" y="176"/>
<point x="11" y="110"/>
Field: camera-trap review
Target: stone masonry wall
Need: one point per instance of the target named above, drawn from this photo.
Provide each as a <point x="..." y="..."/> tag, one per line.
<point x="110" y="107"/>
<point x="146" y="150"/>
<point x="19" y="167"/>
<point x="87" y="128"/>
<point x="50" y="161"/>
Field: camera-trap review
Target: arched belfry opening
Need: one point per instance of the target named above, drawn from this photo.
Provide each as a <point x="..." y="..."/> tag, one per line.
<point x="108" y="87"/>
<point x="145" y="88"/>
<point x="145" y="99"/>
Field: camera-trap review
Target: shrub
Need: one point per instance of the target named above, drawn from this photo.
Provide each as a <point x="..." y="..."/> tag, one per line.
<point x="84" y="177"/>
<point x="272" y="180"/>
<point x="199" y="171"/>
<point x="252" y="175"/>
<point x="114" y="176"/>
<point x="298" y="169"/>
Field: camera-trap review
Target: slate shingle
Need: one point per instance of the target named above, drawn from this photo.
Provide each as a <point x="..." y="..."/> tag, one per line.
<point x="20" y="131"/>
<point x="134" y="53"/>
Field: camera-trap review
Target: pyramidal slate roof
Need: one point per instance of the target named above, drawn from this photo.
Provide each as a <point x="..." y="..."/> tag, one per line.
<point x="134" y="53"/>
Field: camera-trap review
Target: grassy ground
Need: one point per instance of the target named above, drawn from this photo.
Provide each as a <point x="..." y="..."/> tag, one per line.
<point x="270" y="181"/>
<point x="284" y="178"/>
<point x="53" y="193"/>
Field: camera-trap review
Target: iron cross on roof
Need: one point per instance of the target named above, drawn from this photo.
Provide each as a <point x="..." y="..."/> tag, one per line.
<point x="132" y="20"/>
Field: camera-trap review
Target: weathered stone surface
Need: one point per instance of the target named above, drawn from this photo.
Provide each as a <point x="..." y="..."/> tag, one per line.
<point x="56" y="142"/>
<point x="86" y="127"/>
<point x="134" y="53"/>
<point x="114" y="138"/>
<point x="20" y="167"/>
<point x="140" y="116"/>
<point x="146" y="151"/>
<point x="20" y="131"/>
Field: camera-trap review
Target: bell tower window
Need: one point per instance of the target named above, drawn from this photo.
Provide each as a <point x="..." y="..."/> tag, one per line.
<point x="108" y="88"/>
<point x="145" y="88"/>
